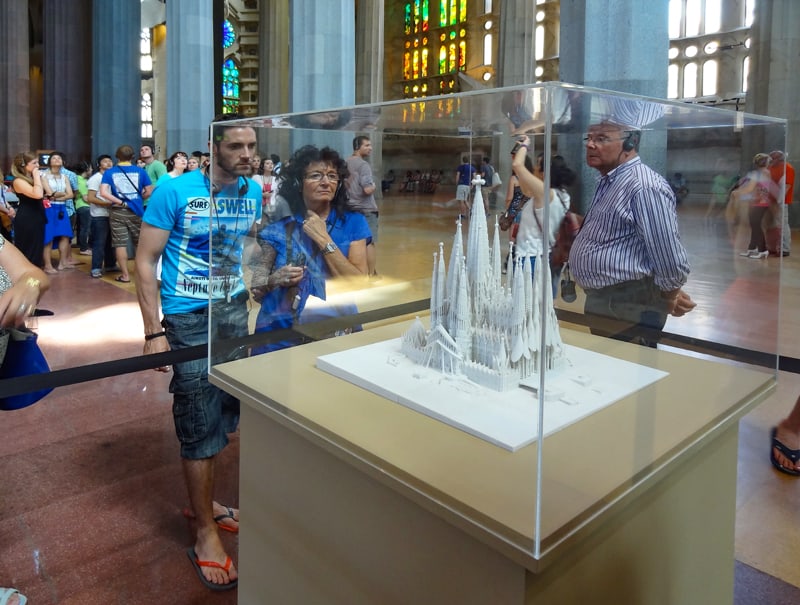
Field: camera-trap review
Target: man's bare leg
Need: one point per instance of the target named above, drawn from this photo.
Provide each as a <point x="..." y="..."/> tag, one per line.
<point x="122" y="260"/>
<point x="371" y="260"/>
<point x="199" y="475"/>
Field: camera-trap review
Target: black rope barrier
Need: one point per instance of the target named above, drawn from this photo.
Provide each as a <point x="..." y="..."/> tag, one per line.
<point x="306" y="333"/>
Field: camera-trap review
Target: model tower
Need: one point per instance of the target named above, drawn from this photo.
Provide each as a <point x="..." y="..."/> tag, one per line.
<point x="491" y="332"/>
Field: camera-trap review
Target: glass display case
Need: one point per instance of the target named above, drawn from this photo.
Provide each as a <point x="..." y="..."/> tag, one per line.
<point x="454" y="371"/>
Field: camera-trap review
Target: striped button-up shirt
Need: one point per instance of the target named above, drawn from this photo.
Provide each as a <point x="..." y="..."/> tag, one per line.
<point x="630" y="232"/>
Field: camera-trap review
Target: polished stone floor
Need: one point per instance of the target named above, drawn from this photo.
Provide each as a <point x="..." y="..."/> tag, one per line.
<point x="91" y="489"/>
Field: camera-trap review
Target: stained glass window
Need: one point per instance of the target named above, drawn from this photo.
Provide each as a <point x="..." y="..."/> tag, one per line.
<point x="230" y="87"/>
<point x="228" y="34"/>
<point x="441" y="53"/>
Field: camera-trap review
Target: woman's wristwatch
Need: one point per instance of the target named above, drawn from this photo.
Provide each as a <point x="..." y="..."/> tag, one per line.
<point x="330" y="248"/>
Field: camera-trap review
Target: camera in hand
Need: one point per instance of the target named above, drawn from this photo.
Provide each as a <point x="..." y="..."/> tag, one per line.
<point x="568" y="293"/>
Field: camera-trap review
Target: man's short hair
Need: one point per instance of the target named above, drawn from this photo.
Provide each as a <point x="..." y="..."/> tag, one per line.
<point x="359" y="141"/>
<point x="101" y="157"/>
<point x="777" y="155"/>
<point x="124" y="153"/>
<point x="148" y="145"/>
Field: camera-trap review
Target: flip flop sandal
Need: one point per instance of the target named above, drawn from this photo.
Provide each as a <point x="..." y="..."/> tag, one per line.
<point x="199" y="565"/>
<point x="793" y="455"/>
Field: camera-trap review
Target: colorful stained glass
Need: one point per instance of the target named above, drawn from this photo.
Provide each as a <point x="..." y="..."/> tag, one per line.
<point x="230" y="83"/>
<point x="442" y="13"/>
<point x="462" y="11"/>
<point x="425" y="11"/>
<point x="462" y="55"/>
<point x="407" y="18"/>
<point x="451" y="58"/>
<point x="406" y="66"/>
<point x="442" y="59"/>
<point x="424" y="63"/>
<point x="453" y="14"/>
<point x="228" y="34"/>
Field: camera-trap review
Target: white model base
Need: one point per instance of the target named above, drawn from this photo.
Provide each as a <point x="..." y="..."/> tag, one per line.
<point x="586" y="383"/>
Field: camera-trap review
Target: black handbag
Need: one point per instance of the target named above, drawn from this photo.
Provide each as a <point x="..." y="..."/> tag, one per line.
<point x="23" y="358"/>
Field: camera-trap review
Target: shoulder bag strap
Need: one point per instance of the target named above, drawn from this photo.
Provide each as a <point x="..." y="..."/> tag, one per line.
<point x="131" y="182"/>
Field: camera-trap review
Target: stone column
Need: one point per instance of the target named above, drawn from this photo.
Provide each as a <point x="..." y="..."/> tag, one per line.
<point x="516" y="63"/>
<point x="67" y="102"/>
<point x="190" y="73"/>
<point x="619" y="45"/>
<point x="15" y="136"/>
<point x="116" y="76"/>
<point x="322" y="61"/>
<point x="273" y="42"/>
<point x="732" y="49"/>
<point x="322" y="54"/>
<point x="773" y="86"/>
<point x="369" y="51"/>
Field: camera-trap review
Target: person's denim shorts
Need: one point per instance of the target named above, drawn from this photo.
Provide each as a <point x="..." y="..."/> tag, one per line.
<point x="203" y="413"/>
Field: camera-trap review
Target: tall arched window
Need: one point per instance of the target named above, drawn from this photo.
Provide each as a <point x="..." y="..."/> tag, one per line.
<point x="710" y="78"/>
<point x="699" y="46"/>
<point x="745" y="73"/>
<point x="147" y="116"/>
<point x="228" y="34"/>
<point x="230" y="87"/>
<point x="672" y="81"/>
<point x="690" y="80"/>
<point x="436" y="45"/>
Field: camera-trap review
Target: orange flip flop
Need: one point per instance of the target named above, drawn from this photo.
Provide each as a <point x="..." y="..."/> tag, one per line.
<point x="198" y="566"/>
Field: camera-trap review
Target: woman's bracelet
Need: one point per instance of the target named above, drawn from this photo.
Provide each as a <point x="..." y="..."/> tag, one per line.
<point x="155" y="335"/>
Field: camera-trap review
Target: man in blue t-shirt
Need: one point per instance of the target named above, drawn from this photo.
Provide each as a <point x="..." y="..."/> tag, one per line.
<point x="464" y="174"/>
<point x="127" y="187"/>
<point x="198" y="267"/>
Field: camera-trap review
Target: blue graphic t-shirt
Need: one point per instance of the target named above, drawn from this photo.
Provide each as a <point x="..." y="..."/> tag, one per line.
<point x="127" y="182"/>
<point x="203" y="255"/>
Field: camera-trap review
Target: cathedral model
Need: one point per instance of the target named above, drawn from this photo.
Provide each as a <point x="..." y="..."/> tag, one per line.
<point x="492" y="333"/>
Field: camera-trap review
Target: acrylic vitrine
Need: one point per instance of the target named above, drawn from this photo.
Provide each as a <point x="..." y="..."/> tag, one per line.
<point x="455" y="377"/>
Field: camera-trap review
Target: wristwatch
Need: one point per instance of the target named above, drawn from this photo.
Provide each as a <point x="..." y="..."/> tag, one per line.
<point x="331" y="247"/>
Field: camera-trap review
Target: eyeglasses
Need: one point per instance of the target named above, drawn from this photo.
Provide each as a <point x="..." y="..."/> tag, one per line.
<point x="601" y="139"/>
<point x="316" y="177"/>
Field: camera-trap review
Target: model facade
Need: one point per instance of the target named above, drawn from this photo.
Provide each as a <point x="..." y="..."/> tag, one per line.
<point x="492" y="331"/>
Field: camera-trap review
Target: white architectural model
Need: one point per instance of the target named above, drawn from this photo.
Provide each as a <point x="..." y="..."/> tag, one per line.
<point x="491" y="332"/>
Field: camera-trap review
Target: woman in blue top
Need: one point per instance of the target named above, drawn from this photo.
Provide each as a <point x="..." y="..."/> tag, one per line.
<point x="321" y="240"/>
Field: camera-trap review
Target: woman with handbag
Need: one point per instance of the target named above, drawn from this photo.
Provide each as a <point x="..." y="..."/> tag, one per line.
<point x="58" y="230"/>
<point x="531" y="239"/>
<point x="30" y="219"/>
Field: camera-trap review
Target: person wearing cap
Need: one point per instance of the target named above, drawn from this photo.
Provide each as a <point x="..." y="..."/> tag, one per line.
<point x="628" y="257"/>
<point x="782" y="172"/>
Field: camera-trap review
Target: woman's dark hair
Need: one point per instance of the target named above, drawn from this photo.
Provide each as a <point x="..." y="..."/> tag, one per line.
<point x="58" y="153"/>
<point x="293" y="174"/>
<point x="264" y="161"/>
<point x="561" y="175"/>
<point x="170" y="163"/>
<point x="80" y="167"/>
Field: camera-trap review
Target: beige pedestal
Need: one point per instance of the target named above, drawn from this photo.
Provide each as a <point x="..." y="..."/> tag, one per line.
<point x="347" y="498"/>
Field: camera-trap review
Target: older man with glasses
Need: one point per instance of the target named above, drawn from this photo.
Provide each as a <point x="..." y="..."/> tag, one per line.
<point x="628" y="257"/>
